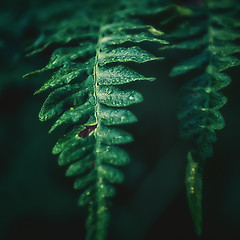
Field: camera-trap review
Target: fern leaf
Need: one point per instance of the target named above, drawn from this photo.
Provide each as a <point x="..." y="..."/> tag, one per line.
<point x="86" y="96"/>
<point x="212" y="35"/>
<point x="194" y="191"/>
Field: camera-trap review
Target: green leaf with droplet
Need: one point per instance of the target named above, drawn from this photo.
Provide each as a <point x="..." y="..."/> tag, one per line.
<point x="194" y="192"/>
<point x="80" y="167"/>
<point x="85" y="181"/>
<point x="64" y="96"/>
<point x="73" y="153"/>
<point x="119" y="75"/>
<point x="111" y="116"/>
<point x="113" y="155"/>
<point x="136" y="38"/>
<point x="111" y="174"/>
<point x="113" y="136"/>
<point x="132" y="54"/>
<point x="114" y="97"/>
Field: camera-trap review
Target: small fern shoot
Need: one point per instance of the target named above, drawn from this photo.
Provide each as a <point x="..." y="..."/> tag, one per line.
<point x="212" y="33"/>
<point x="89" y="65"/>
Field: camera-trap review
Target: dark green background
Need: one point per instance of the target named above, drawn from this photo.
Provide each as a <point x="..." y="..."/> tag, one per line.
<point x="38" y="202"/>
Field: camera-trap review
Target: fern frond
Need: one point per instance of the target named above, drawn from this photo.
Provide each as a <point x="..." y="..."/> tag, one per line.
<point x="211" y="33"/>
<point x="88" y="68"/>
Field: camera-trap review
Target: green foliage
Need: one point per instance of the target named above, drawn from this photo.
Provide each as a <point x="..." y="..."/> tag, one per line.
<point x="88" y="67"/>
<point x="212" y="34"/>
<point x="98" y="49"/>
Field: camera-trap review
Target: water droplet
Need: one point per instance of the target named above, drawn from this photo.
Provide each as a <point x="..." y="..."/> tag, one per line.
<point x="131" y="97"/>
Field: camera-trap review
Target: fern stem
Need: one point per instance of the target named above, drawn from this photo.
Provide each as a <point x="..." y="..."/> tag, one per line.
<point x="97" y="230"/>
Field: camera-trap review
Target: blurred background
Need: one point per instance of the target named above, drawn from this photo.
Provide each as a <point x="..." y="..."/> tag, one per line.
<point x="38" y="202"/>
